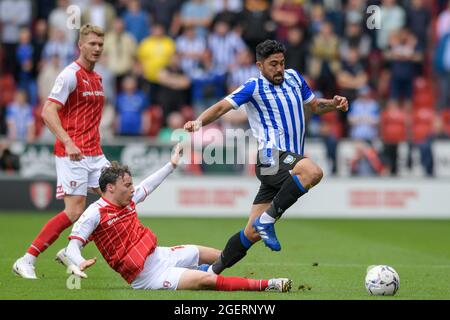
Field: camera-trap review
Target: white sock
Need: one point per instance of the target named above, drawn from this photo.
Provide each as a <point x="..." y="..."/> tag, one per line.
<point x="29" y="258"/>
<point x="265" y="218"/>
<point x="210" y="270"/>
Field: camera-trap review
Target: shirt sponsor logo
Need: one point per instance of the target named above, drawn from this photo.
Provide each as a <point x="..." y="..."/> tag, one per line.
<point x="93" y="93"/>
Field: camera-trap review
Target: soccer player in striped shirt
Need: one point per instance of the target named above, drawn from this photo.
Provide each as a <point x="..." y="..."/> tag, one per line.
<point x="131" y="249"/>
<point x="275" y="103"/>
<point x="72" y="112"/>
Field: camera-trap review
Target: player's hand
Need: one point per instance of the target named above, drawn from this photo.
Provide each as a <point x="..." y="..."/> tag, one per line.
<point x="341" y="103"/>
<point x="73" y="152"/>
<point x="87" y="263"/>
<point x="192" y="126"/>
<point x="177" y="153"/>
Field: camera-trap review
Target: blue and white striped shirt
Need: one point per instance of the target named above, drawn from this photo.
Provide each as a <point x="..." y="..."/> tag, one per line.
<point x="275" y="112"/>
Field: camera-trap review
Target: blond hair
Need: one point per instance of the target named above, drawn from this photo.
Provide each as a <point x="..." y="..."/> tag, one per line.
<point x="88" y="28"/>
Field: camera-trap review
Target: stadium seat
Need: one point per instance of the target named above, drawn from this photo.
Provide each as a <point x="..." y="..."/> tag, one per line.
<point x="445" y="117"/>
<point x="187" y="112"/>
<point x="155" y="115"/>
<point x="334" y="124"/>
<point x="8" y="88"/>
<point x="423" y="94"/>
<point x="422" y="124"/>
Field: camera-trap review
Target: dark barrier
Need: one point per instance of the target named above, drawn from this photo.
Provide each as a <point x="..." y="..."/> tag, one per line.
<point x="31" y="195"/>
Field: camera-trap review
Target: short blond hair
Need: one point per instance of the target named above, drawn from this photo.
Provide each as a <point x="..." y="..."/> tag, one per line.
<point x="88" y="28"/>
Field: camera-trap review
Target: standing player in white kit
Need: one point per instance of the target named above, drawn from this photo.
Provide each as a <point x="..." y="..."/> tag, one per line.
<point x="72" y="113"/>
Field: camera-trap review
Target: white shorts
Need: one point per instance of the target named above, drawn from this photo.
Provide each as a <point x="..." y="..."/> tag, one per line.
<point x="164" y="267"/>
<point x="75" y="177"/>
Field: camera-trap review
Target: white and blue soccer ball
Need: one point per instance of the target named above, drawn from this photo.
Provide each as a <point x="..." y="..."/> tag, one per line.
<point x="382" y="280"/>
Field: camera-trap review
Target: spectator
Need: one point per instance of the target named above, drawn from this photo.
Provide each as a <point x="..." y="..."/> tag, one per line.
<point x="355" y="38"/>
<point x="174" y="121"/>
<point x="136" y="21"/>
<point x="99" y="13"/>
<point x="287" y="14"/>
<point x="108" y="80"/>
<point x="317" y="14"/>
<point x="365" y="161"/>
<point x="39" y="39"/>
<point x="46" y="78"/>
<point x="403" y="54"/>
<point x="224" y="45"/>
<point x="255" y="22"/>
<point x="14" y="14"/>
<point x="190" y="47"/>
<point x="196" y="13"/>
<point x="174" y="85"/>
<point x="443" y="22"/>
<point x="297" y="50"/>
<point x="364" y="116"/>
<point x="423" y="120"/>
<point x="442" y="68"/>
<point x="418" y="19"/>
<point x="242" y="70"/>
<point x="120" y="50"/>
<point x="324" y="61"/>
<point x="166" y="13"/>
<point x="354" y="12"/>
<point x="9" y="162"/>
<point x="57" y="44"/>
<point x="155" y="52"/>
<point x="24" y="56"/>
<point x="19" y="118"/>
<point x="352" y="75"/>
<point x="393" y="124"/>
<point x="58" y="20"/>
<point x="131" y="104"/>
<point x="393" y="18"/>
<point x="226" y="10"/>
<point x="207" y="85"/>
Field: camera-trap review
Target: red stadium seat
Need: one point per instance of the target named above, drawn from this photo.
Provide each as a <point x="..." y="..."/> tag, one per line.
<point x="422" y="124"/>
<point x="155" y="115"/>
<point x="333" y="124"/>
<point x="8" y="88"/>
<point x="445" y="117"/>
<point x="423" y="93"/>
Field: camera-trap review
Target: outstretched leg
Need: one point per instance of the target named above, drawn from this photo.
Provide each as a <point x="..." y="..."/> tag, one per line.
<point x="198" y="280"/>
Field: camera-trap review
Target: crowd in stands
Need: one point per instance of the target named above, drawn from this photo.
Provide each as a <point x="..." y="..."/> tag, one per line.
<point x="165" y="61"/>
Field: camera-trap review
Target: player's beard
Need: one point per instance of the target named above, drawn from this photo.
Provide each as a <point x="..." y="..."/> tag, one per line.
<point x="279" y="79"/>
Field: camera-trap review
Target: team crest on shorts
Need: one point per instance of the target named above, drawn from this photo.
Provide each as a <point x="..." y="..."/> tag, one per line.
<point x="289" y="159"/>
<point x="73" y="184"/>
<point x="166" y="284"/>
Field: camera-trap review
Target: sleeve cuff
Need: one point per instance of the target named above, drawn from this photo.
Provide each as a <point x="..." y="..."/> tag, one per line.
<point x="232" y="102"/>
<point x="56" y="101"/>
<point x="77" y="238"/>
<point x="312" y="96"/>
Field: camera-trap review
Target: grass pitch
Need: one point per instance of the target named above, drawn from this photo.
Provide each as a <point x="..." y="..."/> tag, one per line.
<point x="327" y="259"/>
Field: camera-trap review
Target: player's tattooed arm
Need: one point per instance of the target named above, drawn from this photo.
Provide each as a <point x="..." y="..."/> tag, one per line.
<point x="321" y="106"/>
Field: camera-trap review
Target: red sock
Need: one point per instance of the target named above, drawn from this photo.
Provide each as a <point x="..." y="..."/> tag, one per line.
<point x="238" y="283"/>
<point x="49" y="233"/>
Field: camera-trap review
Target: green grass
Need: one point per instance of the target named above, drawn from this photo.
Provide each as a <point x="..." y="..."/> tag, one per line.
<point x="417" y="249"/>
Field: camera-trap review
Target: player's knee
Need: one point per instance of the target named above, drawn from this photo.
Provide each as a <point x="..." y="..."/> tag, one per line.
<point x="207" y="281"/>
<point x="73" y="215"/>
<point x="316" y="175"/>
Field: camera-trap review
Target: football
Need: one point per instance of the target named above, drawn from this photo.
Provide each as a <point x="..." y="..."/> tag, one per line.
<point x="382" y="280"/>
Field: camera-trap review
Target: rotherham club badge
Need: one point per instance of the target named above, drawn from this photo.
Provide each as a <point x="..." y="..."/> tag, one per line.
<point x="41" y="194"/>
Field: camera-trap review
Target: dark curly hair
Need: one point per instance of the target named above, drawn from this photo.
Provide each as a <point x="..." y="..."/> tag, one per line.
<point x="267" y="48"/>
<point x="111" y="174"/>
